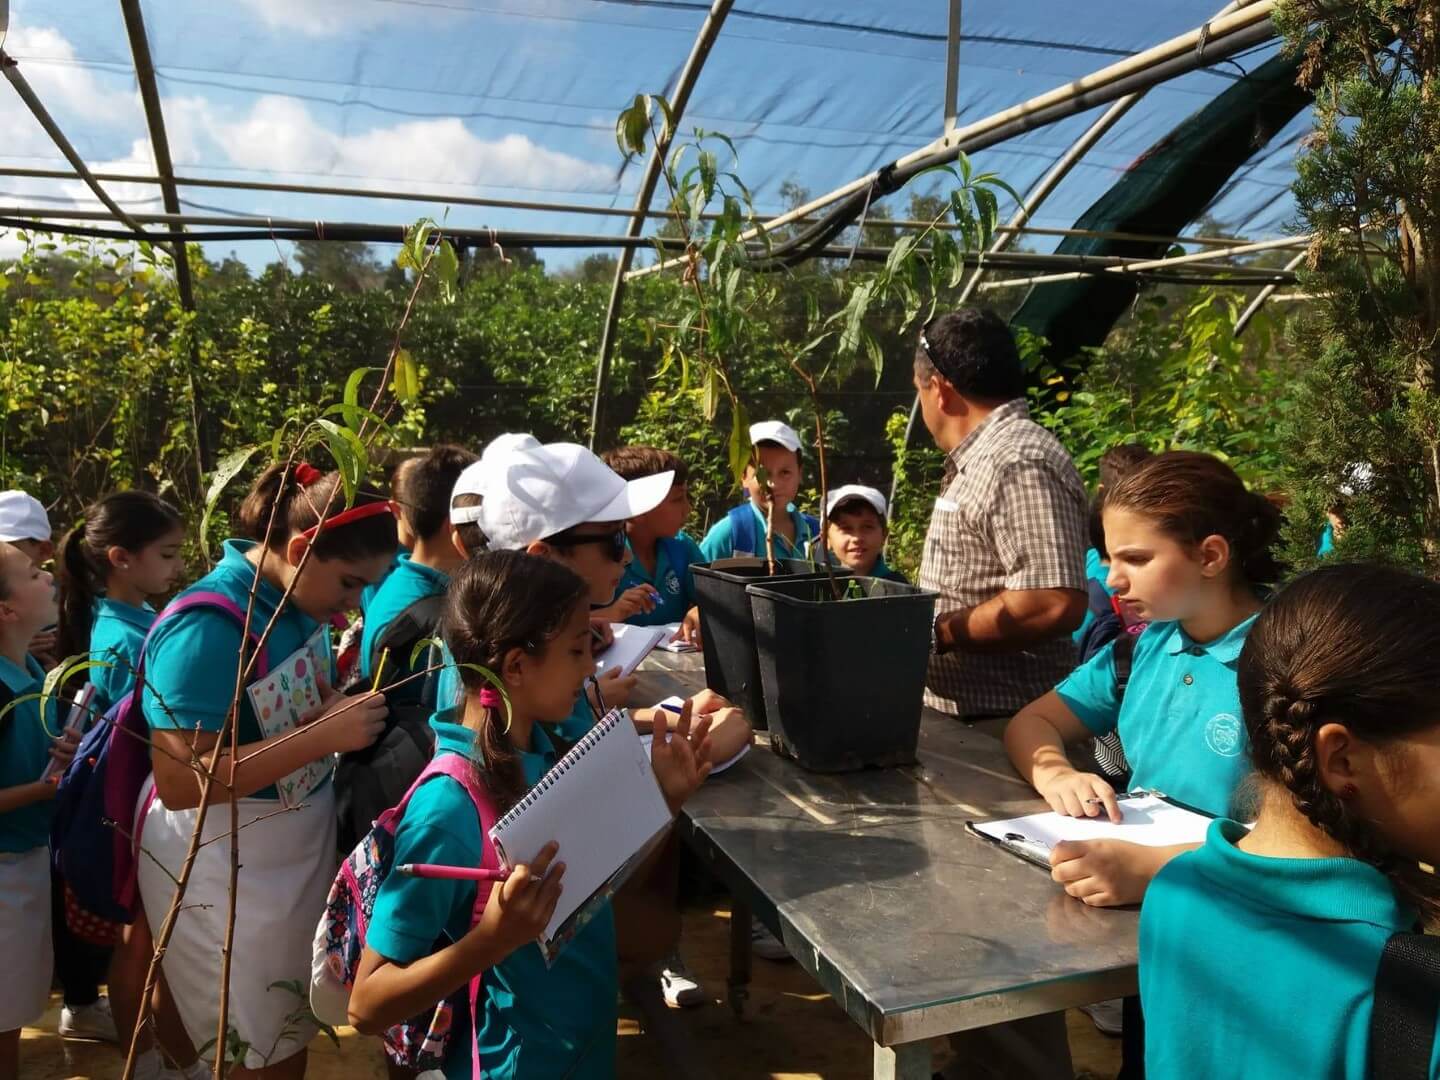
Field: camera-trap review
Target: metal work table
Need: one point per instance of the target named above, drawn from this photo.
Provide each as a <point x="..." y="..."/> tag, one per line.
<point x="916" y="927"/>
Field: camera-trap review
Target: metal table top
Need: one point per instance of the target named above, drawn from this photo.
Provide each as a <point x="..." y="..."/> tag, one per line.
<point x="916" y="926"/>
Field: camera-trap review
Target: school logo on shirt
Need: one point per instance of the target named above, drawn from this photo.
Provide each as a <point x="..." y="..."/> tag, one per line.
<point x="1224" y="735"/>
<point x="672" y="584"/>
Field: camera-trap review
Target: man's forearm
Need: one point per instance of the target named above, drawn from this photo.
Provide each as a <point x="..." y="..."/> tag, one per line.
<point x="1011" y="621"/>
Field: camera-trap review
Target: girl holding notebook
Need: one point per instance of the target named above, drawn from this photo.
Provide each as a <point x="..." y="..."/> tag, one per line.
<point x="524" y="620"/>
<point x="300" y="571"/>
<point x="1189" y="551"/>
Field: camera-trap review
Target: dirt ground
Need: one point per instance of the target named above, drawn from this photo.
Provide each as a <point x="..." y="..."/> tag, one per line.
<point x="791" y="1031"/>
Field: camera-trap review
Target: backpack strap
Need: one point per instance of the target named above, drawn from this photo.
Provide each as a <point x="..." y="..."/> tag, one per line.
<point x="743" y="538"/>
<point x="417" y="620"/>
<point x="1407" y="996"/>
<point x="1124" y="660"/>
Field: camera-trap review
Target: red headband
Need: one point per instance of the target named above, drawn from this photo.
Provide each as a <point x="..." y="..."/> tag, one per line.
<point x="306" y="474"/>
<point x="355" y="513"/>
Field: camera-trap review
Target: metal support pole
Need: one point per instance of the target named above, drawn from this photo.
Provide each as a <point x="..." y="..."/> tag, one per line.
<point x="160" y="145"/>
<point x="1253" y="308"/>
<point x="46" y="121"/>
<point x="952" y="68"/>
<point x="694" y="64"/>
<point x="1201" y="47"/>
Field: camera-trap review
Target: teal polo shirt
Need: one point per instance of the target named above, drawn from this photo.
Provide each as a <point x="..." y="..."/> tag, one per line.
<point x="408" y="582"/>
<point x="1261" y="967"/>
<point x="537" y="1023"/>
<point x="193" y="658"/>
<point x="116" y="633"/>
<point x="672" y="579"/>
<point x="1180" y="720"/>
<point x="24" y="753"/>
<point x="719" y="542"/>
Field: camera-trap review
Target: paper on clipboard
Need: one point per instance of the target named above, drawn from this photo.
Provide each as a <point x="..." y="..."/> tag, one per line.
<point x="1148" y="819"/>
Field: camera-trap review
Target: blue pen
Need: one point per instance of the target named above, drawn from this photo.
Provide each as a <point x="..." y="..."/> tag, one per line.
<point x="670" y="707"/>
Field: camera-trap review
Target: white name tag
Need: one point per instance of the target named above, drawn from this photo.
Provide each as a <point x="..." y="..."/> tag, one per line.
<point x="947" y="506"/>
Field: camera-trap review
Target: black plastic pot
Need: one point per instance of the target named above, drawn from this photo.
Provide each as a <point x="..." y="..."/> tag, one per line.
<point x="843" y="680"/>
<point x="727" y="629"/>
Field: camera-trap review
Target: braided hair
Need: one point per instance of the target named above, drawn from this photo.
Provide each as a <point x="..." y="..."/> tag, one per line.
<point x="1356" y="645"/>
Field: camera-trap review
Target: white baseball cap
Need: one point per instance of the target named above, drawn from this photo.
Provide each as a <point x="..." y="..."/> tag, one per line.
<point x="776" y="431"/>
<point x="22" y="517"/>
<point x="474" y="477"/>
<point x="538" y="492"/>
<point x="850" y="492"/>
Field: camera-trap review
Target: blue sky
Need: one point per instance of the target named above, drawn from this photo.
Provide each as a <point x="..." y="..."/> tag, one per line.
<point x="517" y="99"/>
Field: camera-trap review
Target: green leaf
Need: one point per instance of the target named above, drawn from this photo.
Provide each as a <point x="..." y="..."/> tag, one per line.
<point x="709" y="167"/>
<point x="740" y="447"/>
<point x="496" y="682"/>
<point x="227" y="469"/>
<point x="732" y="285"/>
<point x="422" y="646"/>
<point x="406" y="383"/>
<point x="447" y="270"/>
<point x="361" y="413"/>
<point x="351" y="457"/>
<point x="351" y="399"/>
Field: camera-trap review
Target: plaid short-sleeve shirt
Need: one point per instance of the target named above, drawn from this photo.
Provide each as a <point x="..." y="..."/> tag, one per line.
<point x="1012" y="515"/>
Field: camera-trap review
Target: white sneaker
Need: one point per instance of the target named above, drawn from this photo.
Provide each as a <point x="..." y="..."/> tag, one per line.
<point x="89" y="1022"/>
<point x="765" y="944"/>
<point x="1106" y="1016"/>
<point x="679" y="986"/>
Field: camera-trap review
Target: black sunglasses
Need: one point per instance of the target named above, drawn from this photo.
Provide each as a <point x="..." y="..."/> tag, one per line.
<point x="615" y="540"/>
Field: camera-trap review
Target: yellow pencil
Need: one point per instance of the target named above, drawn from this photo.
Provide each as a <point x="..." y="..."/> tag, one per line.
<point x="380" y="668"/>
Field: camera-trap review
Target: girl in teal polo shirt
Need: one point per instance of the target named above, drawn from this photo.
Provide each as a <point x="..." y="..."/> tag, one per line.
<point x="127" y="550"/>
<point x="1189" y="552"/>
<point x="27" y="744"/>
<point x="301" y="571"/>
<point x="526" y="619"/>
<point x="1259" y="950"/>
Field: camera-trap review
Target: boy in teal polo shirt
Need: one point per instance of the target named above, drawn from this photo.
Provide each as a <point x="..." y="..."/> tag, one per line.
<point x="422" y="491"/>
<point x="27" y="603"/>
<point x="857" y="529"/>
<point x="657" y="587"/>
<point x="742" y="530"/>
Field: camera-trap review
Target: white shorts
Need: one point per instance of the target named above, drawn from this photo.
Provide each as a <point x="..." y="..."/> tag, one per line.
<point x="25" y="937"/>
<point x="287" y="863"/>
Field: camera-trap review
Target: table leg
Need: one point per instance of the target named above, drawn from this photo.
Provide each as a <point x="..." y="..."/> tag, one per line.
<point x="738" y="984"/>
<point x="908" y="1061"/>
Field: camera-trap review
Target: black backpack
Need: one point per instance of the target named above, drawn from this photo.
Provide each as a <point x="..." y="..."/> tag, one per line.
<point x="368" y="782"/>
<point x="1106" y="627"/>
<point x="1407" y="1002"/>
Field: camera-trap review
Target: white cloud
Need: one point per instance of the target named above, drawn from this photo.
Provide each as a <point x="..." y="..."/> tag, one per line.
<point x="50" y="65"/>
<point x="327" y="18"/>
<point x="280" y="135"/>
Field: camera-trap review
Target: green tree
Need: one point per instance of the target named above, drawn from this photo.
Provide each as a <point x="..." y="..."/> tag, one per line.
<point x="1368" y="188"/>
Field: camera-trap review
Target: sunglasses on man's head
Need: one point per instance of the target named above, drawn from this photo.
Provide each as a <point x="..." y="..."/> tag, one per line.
<point x="614" y="541"/>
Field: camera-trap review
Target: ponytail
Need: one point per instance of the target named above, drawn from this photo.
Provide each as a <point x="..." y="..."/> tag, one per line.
<point x="126" y="519"/>
<point x="1356" y="645"/>
<point x="497" y="602"/>
<point x="1190" y="496"/>
<point x="294" y="497"/>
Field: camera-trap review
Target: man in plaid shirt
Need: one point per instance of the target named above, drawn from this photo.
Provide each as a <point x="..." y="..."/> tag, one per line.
<point x="1007" y="538"/>
<point x="1006" y="552"/>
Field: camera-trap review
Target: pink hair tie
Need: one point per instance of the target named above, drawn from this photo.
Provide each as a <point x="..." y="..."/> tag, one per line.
<point x="490" y="698"/>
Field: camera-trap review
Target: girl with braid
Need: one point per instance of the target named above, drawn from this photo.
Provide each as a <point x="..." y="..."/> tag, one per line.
<point x="1259" y="950"/>
<point x="1189" y="554"/>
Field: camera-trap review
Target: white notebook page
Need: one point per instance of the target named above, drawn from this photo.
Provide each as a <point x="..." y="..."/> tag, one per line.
<point x="601" y="803"/>
<point x="1147" y="819"/>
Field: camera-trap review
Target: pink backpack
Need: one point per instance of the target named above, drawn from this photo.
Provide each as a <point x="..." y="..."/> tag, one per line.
<point x="419" y="1043"/>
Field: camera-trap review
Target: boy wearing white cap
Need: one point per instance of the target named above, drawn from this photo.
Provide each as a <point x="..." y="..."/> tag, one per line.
<point x="857" y="529"/>
<point x="742" y="530"/>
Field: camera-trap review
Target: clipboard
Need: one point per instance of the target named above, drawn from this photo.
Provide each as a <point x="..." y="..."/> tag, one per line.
<point x="1154" y="819"/>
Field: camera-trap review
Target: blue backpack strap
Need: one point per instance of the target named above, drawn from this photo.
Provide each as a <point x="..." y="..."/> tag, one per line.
<point x="743" y="538"/>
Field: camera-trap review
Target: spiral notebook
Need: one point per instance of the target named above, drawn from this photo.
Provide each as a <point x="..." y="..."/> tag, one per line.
<point x="602" y="804"/>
